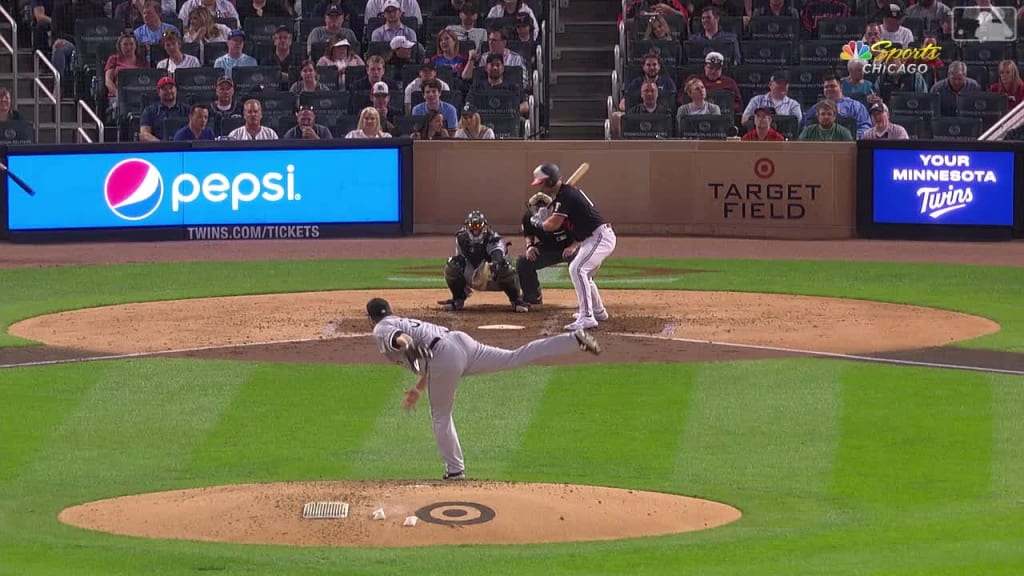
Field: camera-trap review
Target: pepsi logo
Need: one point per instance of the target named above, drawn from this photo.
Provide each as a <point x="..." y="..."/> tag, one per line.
<point x="133" y="189"/>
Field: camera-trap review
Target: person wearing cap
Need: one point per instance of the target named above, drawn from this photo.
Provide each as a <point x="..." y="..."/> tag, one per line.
<point x="777" y="99"/>
<point x="261" y="9"/>
<point x="467" y="30"/>
<point x="197" y="127"/>
<point x="393" y="25"/>
<point x="509" y="8"/>
<point x="844" y="106"/>
<point x="224" y="104"/>
<point x="711" y="34"/>
<point x="714" y="79"/>
<point x="893" y="29"/>
<point x="380" y="100"/>
<point x="339" y="54"/>
<point x="403" y="53"/>
<point x="253" y="129"/>
<point x="175" y="57"/>
<point x="409" y="8"/>
<point x="217" y="8"/>
<point x="283" y="57"/>
<point x="763" y="130"/>
<point x="306" y="127"/>
<point x="153" y="27"/>
<point x="432" y="102"/>
<point x="827" y="128"/>
<point x="881" y="127"/>
<point x="235" y="57"/>
<point x="334" y="25"/>
<point x="151" y="124"/>
<point x="307" y="81"/>
<point x="427" y="72"/>
<point x="815" y="11"/>
<point x="470" y="126"/>
<point x="524" y="32"/>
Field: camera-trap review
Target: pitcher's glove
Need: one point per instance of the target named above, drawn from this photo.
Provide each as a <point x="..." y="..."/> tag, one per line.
<point x="538" y="201"/>
<point x="417" y="356"/>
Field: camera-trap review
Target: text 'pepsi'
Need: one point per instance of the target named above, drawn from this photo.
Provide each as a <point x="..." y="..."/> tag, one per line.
<point x="244" y="187"/>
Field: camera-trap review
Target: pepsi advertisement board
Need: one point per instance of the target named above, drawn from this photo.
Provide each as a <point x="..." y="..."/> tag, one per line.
<point x="936" y="189"/>
<point x="212" y="191"/>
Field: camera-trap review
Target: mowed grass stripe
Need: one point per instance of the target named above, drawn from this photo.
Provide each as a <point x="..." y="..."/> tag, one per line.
<point x="1007" y="437"/>
<point x="616" y="425"/>
<point x="914" y="437"/>
<point x="492" y="414"/>
<point x="296" y="422"/>
<point x="754" y="428"/>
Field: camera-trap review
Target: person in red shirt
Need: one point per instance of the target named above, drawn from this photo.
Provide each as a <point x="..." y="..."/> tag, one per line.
<point x="1009" y="83"/>
<point x="763" y="126"/>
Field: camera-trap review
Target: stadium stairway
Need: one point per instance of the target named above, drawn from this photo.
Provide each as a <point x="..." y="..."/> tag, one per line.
<point x="581" y="64"/>
<point x="25" y="103"/>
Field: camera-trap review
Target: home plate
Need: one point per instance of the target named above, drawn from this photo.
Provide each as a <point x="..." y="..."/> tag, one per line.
<point x="501" y="327"/>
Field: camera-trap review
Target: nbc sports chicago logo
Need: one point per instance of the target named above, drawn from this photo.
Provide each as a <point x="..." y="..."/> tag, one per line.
<point x="133" y="189"/>
<point x="883" y="57"/>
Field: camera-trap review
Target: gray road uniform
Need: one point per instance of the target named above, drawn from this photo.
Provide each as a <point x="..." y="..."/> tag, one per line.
<point x="457" y="354"/>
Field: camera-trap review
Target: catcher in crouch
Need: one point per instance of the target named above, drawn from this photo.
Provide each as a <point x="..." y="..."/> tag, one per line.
<point x="480" y="263"/>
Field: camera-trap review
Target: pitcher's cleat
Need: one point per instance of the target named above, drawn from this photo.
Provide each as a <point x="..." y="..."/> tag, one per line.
<point x="587" y="342"/>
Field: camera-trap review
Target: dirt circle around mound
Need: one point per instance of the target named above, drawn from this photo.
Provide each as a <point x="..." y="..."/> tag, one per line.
<point x="447" y="513"/>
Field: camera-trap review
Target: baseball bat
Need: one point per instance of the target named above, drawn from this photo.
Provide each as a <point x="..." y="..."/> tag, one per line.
<point x="578" y="174"/>
<point x="17" y="180"/>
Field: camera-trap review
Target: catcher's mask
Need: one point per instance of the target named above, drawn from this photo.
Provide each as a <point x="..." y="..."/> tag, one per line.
<point x="476" y="225"/>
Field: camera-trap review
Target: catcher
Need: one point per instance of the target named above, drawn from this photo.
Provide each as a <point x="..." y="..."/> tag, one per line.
<point x="543" y="249"/>
<point x="480" y="263"/>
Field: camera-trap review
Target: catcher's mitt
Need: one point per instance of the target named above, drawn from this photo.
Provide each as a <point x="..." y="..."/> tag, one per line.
<point x="538" y="201"/>
<point x="481" y="277"/>
<point x="417" y="357"/>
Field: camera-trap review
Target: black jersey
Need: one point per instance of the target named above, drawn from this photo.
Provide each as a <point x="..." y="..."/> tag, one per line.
<point x="557" y="240"/>
<point x="477" y="252"/>
<point x="581" y="215"/>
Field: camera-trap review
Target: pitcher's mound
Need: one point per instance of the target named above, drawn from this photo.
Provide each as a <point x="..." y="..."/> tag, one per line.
<point x="463" y="512"/>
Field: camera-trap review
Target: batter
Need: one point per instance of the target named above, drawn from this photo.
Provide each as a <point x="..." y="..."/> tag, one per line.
<point x="442" y="357"/>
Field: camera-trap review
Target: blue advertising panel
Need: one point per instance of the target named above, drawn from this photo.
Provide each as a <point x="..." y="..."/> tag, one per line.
<point x="943" y="187"/>
<point x="196" y="187"/>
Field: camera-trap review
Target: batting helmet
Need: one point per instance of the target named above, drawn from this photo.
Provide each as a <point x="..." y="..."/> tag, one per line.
<point x="547" y="174"/>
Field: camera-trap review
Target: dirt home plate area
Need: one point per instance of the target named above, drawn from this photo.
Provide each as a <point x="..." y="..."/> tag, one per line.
<point x="331" y="327"/>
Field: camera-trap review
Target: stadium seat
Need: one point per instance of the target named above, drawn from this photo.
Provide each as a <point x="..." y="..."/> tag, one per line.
<point x="842" y="29"/>
<point x="988" y="106"/>
<point x="924" y="105"/>
<point x="956" y="128"/>
<point x="705" y="127"/>
<point x="646" y="126"/>
<point x="775" y="28"/>
<point x="767" y="52"/>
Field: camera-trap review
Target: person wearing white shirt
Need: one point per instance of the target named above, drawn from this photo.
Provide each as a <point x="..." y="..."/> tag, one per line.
<point x="509" y="8"/>
<point x="427" y="72"/>
<point x="881" y="127"/>
<point x="892" y="28"/>
<point x="369" y="125"/>
<point x="218" y="8"/>
<point x="375" y="8"/>
<point x="175" y="57"/>
<point x="393" y="26"/>
<point x="253" y="128"/>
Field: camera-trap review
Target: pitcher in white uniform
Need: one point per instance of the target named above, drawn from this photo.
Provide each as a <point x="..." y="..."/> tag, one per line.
<point x="456" y="354"/>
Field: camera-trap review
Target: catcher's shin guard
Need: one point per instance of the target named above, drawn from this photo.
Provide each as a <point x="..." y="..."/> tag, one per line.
<point x="455" y="277"/>
<point x="508" y="281"/>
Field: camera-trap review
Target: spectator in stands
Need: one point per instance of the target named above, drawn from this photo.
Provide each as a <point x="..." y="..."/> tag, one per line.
<point x="511" y="8"/>
<point x="711" y="31"/>
<point x="466" y="29"/>
<point x="235" y="56"/>
<point x="842" y="105"/>
<point x="403" y="53"/>
<point x="763" y="130"/>
<point x="658" y="29"/>
<point x="223" y="9"/>
<point x="126" y="58"/>
<point x="893" y="29"/>
<point x="881" y="127"/>
<point x="253" y="129"/>
<point x="376" y="8"/>
<point x="393" y="25"/>
<point x="495" y="80"/>
<point x="380" y="97"/>
<point x="175" y="57"/>
<point x="651" y="73"/>
<point x="283" y="57"/>
<point x="497" y="40"/>
<point x="449" y="9"/>
<point x="7" y="111"/>
<point x="660" y="7"/>
<point x="448" y="53"/>
<point x="713" y="79"/>
<point x="369" y="125"/>
<point x="470" y="127"/>
<point x="930" y="38"/>
<point x="196" y="129"/>
<point x="224" y="104"/>
<point x="815" y="10"/>
<point x="872" y="9"/>
<point x="261" y="9"/>
<point x="340" y="55"/>
<point x="734" y="9"/>
<point x="777" y="99"/>
<point x="872" y="33"/>
<point x="946" y="28"/>
<point x="153" y="28"/>
<point x="855" y="82"/>
<point x="334" y="25"/>
<point x="306" y="127"/>
<point x="374" y="74"/>
<point x="53" y="28"/>
<point x="130" y="12"/>
<point x="524" y="32"/>
<point x="776" y="8"/>
<point x="899" y="80"/>
<point x="1009" y="83"/>
<point x="307" y="81"/>
<point x="427" y="72"/>
<point x="433" y="128"/>
<point x="933" y="12"/>
<point x="698" y="105"/>
<point x="952" y="86"/>
<point x="432" y="101"/>
<point x="649" y="103"/>
<point x="202" y="29"/>
<point x="827" y="128"/>
<point x="320" y="8"/>
<point x="151" y="125"/>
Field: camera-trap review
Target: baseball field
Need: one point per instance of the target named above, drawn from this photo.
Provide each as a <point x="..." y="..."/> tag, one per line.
<point x="760" y="407"/>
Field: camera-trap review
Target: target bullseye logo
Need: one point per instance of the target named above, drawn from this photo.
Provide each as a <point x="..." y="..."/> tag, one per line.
<point x="456" y="513"/>
<point x="764" y="168"/>
<point x="133" y="189"/>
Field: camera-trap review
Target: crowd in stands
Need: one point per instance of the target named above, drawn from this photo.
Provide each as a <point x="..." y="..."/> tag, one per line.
<point x="267" y="69"/>
<point x="765" y="69"/>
